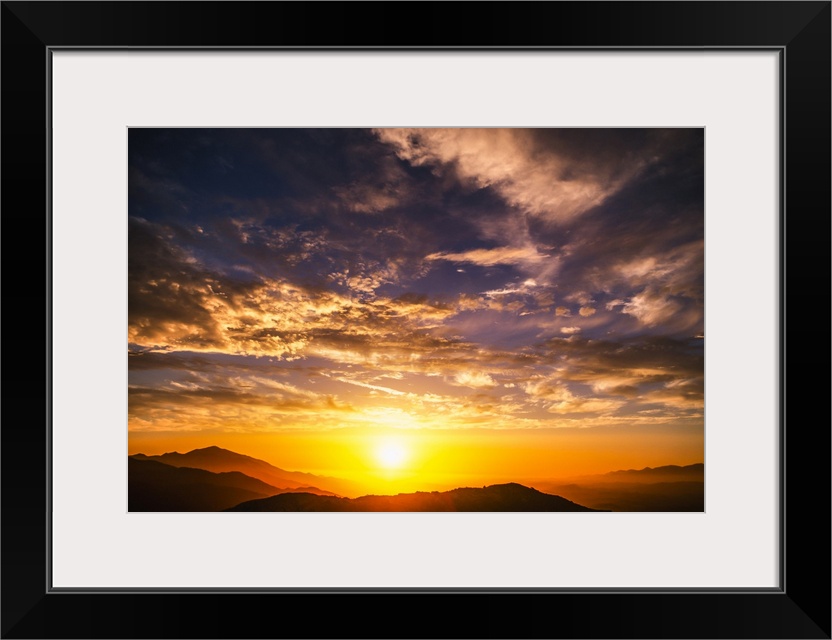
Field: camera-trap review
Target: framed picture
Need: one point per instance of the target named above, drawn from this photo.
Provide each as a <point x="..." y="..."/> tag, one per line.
<point x="407" y="325"/>
<point x="729" y="99"/>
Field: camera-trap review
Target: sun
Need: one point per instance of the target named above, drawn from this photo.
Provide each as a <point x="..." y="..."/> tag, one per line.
<point x="391" y="454"/>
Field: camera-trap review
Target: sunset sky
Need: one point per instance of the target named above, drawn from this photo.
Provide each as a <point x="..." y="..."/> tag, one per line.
<point x="419" y="309"/>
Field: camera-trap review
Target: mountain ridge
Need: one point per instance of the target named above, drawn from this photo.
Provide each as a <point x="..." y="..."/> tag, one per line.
<point x="219" y="460"/>
<point x="675" y="469"/>
<point x="668" y="488"/>
<point x="155" y="486"/>
<point x="512" y="497"/>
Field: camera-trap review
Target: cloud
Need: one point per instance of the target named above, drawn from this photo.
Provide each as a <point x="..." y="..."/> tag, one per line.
<point x="178" y="303"/>
<point x="147" y="360"/>
<point x="417" y="307"/>
<point x="650" y="307"/>
<point x="373" y="387"/>
<point x="431" y="260"/>
<point x="529" y="288"/>
<point x="475" y="380"/>
<point x="491" y="257"/>
<point x="560" y="400"/>
<point x="595" y="406"/>
<point x="684" y="393"/>
<point x="363" y="198"/>
<point x="543" y="173"/>
<point x="547" y="389"/>
<point x="167" y="292"/>
<point x="660" y="290"/>
<point x="283" y="388"/>
<point x="646" y="371"/>
<point x="382" y="185"/>
<point x="226" y="405"/>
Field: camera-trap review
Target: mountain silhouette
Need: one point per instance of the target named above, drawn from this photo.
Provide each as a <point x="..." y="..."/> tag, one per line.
<point x="667" y="473"/>
<point x="669" y="488"/>
<point x="222" y="460"/>
<point x="154" y="486"/>
<point x="498" y="497"/>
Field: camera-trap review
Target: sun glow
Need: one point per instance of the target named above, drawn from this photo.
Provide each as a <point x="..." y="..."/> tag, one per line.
<point x="391" y="454"/>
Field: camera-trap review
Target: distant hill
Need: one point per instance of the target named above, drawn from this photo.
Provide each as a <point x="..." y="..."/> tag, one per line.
<point x="668" y="473"/>
<point x="669" y="488"/>
<point x="500" y="497"/>
<point x="154" y="486"/>
<point x="222" y="460"/>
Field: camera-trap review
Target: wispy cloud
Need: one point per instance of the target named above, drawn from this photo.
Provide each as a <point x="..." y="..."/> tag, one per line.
<point x="491" y="257"/>
<point x="475" y="379"/>
<point x="539" y="177"/>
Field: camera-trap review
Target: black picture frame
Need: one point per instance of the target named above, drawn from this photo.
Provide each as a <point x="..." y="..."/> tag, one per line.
<point x="799" y="31"/>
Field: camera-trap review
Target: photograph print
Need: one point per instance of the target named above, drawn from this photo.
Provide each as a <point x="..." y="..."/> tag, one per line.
<point x="417" y="320"/>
